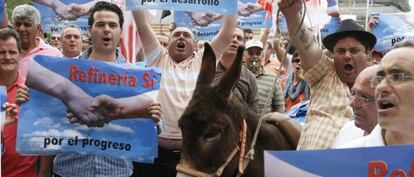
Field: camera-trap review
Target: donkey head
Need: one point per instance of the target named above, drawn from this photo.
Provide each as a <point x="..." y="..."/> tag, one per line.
<point x="212" y="120"/>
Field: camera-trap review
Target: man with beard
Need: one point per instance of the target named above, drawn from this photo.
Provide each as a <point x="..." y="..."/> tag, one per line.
<point x="330" y="80"/>
<point x="26" y="21"/>
<point x="180" y="65"/>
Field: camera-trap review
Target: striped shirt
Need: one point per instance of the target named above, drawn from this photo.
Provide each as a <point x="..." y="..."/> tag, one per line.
<point x="265" y="81"/>
<point x="90" y="165"/>
<point x="328" y="110"/>
<point x="176" y="88"/>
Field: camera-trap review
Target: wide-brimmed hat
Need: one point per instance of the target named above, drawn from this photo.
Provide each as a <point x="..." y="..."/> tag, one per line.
<point x="346" y="28"/>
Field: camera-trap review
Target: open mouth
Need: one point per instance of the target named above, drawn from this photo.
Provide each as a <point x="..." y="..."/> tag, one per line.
<point x="180" y="46"/>
<point x="348" y="68"/>
<point x="106" y="39"/>
<point x="384" y="104"/>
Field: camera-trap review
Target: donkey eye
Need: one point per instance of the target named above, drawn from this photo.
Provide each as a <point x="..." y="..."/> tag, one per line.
<point x="211" y="133"/>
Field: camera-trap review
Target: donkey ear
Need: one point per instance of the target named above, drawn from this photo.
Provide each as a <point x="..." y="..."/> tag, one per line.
<point x="230" y="79"/>
<point x="208" y="67"/>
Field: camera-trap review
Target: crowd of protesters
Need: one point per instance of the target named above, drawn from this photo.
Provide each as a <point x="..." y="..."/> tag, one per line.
<point x="355" y="101"/>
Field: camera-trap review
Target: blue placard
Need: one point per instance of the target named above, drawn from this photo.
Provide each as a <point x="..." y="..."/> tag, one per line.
<point x="183" y="19"/>
<point x="330" y="27"/>
<point x="44" y="129"/>
<point x="51" y="23"/>
<point x="3" y="99"/>
<point x="255" y="20"/>
<point x="211" y="6"/>
<point x="356" y="162"/>
<point x="392" y="28"/>
<point x="1" y="11"/>
<point x="204" y="28"/>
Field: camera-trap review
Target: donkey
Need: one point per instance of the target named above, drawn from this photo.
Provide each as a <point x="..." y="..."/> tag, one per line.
<point x="212" y="124"/>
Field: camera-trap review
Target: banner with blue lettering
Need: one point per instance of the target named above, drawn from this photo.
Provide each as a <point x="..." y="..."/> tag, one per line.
<point x="330" y="27"/>
<point x="202" y="30"/>
<point x="206" y="25"/>
<point x="252" y="15"/>
<point x="1" y="11"/>
<point x="371" y="161"/>
<point x="392" y="28"/>
<point x="65" y="13"/>
<point x="62" y="89"/>
<point x="211" y="6"/>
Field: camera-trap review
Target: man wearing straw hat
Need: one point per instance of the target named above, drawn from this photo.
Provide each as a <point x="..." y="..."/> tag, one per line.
<point x="329" y="79"/>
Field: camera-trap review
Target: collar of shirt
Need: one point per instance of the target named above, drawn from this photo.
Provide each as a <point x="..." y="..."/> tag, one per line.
<point x="41" y="46"/>
<point x="119" y="58"/>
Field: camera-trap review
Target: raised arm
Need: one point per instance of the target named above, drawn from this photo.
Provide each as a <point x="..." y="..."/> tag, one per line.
<point x="280" y="51"/>
<point x="148" y="38"/>
<point x="309" y="51"/>
<point x="224" y="37"/>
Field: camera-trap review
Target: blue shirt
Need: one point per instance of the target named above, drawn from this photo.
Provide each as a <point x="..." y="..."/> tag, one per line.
<point x="90" y="165"/>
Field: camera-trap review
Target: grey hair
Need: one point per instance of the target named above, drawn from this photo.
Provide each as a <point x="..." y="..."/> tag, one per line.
<point x="26" y="11"/>
<point x="70" y="26"/>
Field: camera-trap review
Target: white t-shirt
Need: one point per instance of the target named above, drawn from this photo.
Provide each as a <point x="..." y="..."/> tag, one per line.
<point x="371" y="140"/>
<point x="348" y="133"/>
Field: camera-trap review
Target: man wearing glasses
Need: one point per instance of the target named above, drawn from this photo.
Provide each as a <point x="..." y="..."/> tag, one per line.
<point x="362" y="101"/>
<point x="394" y="82"/>
<point x="330" y="79"/>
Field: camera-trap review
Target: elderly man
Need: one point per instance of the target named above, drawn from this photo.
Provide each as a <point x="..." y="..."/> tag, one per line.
<point x="180" y="65"/>
<point x="394" y="82"/>
<point x="270" y="94"/>
<point x="26" y="21"/>
<point x="363" y="105"/>
<point x="330" y="80"/>
<point x="71" y="41"/>
<point x="13" y="164"/>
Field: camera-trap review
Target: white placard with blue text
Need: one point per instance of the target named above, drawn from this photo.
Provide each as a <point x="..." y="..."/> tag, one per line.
<point x="207" y="30"/>
<point x="212" y="6"/>
<point x="51" y="23"/>
<point x="355" y="162"/>
<point x="392" y="28"/>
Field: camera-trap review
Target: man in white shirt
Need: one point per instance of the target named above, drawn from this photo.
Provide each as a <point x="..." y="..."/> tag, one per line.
<point x="394" y="82"/>
<point x="363" y="106"/>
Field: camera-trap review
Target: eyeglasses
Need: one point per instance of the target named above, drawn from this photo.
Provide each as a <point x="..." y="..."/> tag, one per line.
<point x="393" y="78"/>
<point x="360" y="98"/>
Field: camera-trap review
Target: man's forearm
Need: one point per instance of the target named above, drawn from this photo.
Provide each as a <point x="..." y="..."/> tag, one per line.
<point x="45" y="167"/>
<point x="145" y="32"/>
<point x="304" y="38"/>
<point x="52" y="83"/>
<point x="309" y="51"/>
<point x="225" y="35"/>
